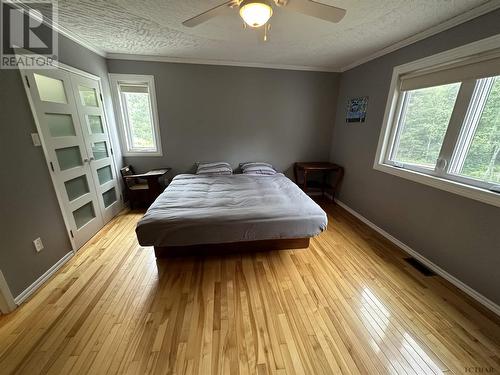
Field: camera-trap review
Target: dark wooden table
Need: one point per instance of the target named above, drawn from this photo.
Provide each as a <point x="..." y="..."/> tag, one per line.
<point x="325" y="168"/>
<point x="153" y="177"/>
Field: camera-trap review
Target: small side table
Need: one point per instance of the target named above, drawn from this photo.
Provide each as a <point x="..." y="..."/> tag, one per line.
<point x="325" y="168"/>
<point x="152" y="177"/>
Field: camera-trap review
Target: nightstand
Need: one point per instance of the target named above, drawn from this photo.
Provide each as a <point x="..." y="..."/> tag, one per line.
<point x="303" y="169"/>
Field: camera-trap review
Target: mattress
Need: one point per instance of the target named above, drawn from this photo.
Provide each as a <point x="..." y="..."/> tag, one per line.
<point x="197" y="209"/>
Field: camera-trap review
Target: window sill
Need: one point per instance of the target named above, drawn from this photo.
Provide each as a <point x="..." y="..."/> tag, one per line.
<point x="141" y="154"/>
<point x="481" y="195"/>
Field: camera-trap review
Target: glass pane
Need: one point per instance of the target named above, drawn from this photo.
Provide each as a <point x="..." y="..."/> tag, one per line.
<point x="100" y="150"/>
<point x="95" y="124"/>
<point x="109" y="197"/>
<point x="84" y="214"/>
<point x="77" y="187"/>
<point x="69" y="157"/>
<point x="139" y="120"/>
<point x="50" y="89"/>
<point x="104" y="174"/>
<point x="482" y="160"/>
<point x="60" y="125"/>
<point x="88" y="96"/>
<point x="423" y="124"/>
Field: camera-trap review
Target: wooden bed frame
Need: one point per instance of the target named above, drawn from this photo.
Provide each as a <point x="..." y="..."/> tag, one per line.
<point x="232" y="247"/>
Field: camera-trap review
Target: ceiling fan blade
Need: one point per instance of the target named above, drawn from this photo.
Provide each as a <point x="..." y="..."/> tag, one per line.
<point x="211" y="13"/>
<point x="315" y="9"/>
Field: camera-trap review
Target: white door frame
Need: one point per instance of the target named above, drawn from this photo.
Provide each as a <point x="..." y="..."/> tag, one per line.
<point x="7" y="303"/>
<point x="45" y="151"/>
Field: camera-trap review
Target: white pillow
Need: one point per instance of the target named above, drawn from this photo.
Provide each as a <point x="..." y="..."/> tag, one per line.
<point x="258" y="168"/>
<point x="216" y="168"/>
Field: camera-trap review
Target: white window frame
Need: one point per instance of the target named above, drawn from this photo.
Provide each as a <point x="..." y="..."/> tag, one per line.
<point x="438" y="177"/>
<point x="115" y="81"/>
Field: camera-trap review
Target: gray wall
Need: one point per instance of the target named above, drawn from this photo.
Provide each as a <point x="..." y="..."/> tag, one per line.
<point x="28" y="201"/>
<point x="458" y="234"/>
<point x="212" y="113"/>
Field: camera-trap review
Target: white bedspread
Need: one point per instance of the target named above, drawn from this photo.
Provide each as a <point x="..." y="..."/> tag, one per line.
<point x="217" y="209"/>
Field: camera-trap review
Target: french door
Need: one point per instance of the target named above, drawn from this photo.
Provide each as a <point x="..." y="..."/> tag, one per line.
<point x="95" y="133"/>
<point x="69" y="112"/>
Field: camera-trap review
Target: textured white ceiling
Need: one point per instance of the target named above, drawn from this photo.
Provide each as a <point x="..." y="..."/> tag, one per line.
<point x="154" y="27"/>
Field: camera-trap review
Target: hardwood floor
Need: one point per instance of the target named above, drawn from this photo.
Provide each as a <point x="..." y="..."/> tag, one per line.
<point x="348" y="304"/>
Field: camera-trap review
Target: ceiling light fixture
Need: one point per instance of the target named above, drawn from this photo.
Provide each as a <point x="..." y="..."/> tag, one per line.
<point x="255" y="13"/>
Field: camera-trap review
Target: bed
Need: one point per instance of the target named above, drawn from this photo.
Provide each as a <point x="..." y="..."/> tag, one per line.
<point x="240" y="212"/>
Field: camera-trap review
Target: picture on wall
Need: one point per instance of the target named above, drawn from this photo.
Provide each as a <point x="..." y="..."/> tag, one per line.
<point x="356" y="109"/>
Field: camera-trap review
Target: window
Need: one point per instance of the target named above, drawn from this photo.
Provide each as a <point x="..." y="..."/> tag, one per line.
<point x="135" y="104"/>
<point x="442" y="122"/>
<point x="423" y="125"/>
<point x="478" y="154"/>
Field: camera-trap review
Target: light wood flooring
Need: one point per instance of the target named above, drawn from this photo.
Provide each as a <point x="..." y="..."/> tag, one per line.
<point x="349" y="304"/>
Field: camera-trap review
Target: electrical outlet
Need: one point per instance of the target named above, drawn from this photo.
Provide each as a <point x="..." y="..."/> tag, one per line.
<point x="38" y="244"/>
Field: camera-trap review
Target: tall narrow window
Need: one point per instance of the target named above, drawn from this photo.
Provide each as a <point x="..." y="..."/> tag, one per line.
<point x="136" y="106"/>
<point x="478" y="153"/>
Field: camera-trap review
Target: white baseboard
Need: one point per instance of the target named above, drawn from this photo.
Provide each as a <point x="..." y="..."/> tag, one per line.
<point x="490" y="305"/>
<point x="39" y="282"/>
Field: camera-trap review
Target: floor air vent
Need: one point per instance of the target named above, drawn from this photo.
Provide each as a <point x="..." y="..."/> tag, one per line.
<point x="424" y="270"/>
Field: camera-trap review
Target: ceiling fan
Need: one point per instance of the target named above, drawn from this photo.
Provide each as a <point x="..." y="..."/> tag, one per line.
<point x="256" y="13"/>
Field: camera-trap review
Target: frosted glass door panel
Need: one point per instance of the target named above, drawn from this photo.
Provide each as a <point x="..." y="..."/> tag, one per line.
<point x="100" y="150"/>
<point x="109" y="197"/>
<point x="105" y="174"/>
<point x="50" y="89"/>
<point x="77" y="187"/>
<point x="88" y="96"/>
<point x="69" y="157"/>
<point x="60" y="125"/>
<point x="95" y="124"/>
<point x="84" y="214"/>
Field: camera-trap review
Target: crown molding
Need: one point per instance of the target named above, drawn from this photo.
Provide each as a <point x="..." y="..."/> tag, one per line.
<point x="182" y="60"/>
<point x="452" y="22"/>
